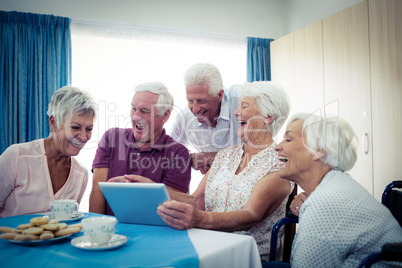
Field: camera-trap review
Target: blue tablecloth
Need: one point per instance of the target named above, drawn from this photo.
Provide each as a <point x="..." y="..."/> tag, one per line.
<point x="147" y="246"/>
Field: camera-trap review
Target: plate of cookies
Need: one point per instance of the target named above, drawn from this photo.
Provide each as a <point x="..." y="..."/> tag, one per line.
<point x="40" y="230"/>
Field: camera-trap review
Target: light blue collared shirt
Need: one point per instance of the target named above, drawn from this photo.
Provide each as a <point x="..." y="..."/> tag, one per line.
<point x="340" y="224"/>
<point x="193" y="134"/>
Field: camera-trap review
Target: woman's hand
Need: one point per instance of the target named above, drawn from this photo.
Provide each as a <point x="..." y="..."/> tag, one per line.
<point x="297" y="202"/>
<point x="180" y="215"/>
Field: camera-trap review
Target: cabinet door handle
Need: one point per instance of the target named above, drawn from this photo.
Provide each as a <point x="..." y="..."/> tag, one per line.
<point x="365" y="143"/>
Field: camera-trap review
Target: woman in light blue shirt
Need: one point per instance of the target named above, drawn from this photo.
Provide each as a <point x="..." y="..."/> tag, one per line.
<point x="340" y="223"/>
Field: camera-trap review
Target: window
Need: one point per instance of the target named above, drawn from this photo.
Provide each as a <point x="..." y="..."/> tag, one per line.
<point x="109" y="61"/>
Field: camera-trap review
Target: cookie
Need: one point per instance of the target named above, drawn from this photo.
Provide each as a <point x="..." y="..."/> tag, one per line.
<point x="8" y="236"/>
<point x="25" y="237"/>
<point x="46" y="236"/>
<point x="24" y="226"/>
<point x="62" y="225"/>
<point x="50" y="226"/>
<point x="54" y="221"/>
<point x="79" y="225"/>
<point x="39" y="220"/>
<point x="33" y="231"/>
<point x="67" y="231"/>
<point x="5" y="229"/>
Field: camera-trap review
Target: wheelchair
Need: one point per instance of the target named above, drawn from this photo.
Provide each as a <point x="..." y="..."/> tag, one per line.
<point x="391" y="198"/>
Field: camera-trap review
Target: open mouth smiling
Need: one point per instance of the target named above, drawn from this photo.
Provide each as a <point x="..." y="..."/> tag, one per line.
<point x="199" y="114"/>
<point x="139" y="126"/>
<point x="282" y="158"/>
<point x="77" y="144"/>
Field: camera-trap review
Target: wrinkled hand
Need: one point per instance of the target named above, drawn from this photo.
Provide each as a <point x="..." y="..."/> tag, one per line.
<point x="297" y="202"/>
<point x="117" y="179"/>
<point x="179" y="215"/>
<point x="131" y="178"/>
<point x="204" y="170"/>
<point x="138" y="178"/>
<point x="202" y="161"/>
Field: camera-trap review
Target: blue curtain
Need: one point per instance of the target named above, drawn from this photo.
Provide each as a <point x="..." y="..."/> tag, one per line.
<point x="35" y="60"/>
<point x="258" y="59"/>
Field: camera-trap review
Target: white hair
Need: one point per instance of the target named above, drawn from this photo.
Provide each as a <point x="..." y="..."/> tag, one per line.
<point x="271" y="99"/>
<point x="69" y="100"/>
<point x="204" y="74"/>
<point x="165" y="99"/>
<point x="333" y="135"/>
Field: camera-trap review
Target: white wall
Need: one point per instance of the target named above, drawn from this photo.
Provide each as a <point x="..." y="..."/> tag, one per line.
<point x="240" y="18"/>
<point x="301" y="13"/>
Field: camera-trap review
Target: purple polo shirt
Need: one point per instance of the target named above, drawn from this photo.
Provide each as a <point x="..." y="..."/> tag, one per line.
<point x="166" y="161"/>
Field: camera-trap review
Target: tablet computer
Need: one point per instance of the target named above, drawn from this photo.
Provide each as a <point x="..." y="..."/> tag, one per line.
<point x="135" y="202"/>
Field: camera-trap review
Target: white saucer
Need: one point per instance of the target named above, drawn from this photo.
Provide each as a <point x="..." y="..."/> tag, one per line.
<point x="77" y="216"/>
<point x="83" y="243"/>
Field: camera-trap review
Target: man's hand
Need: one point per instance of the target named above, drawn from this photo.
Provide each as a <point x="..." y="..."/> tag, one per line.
<point x="131" y="178"/>
<point x="202" y="161"/>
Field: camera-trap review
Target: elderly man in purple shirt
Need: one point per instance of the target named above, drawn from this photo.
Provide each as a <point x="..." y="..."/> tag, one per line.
<point x="145" y="151"/>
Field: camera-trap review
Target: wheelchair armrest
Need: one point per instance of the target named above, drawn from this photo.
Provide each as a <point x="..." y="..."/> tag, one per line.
<point x="385" y="194"/>
<point x="290" y="214"/>
<point x="389" y="252"/>
<point x="392" y="252"/>
<point x="275" y="230"/>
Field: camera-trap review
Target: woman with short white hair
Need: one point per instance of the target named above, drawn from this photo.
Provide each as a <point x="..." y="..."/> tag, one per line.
<point x="34" y="173"/>
<point x="241" y="192"/>
<point x="340" y="223"/>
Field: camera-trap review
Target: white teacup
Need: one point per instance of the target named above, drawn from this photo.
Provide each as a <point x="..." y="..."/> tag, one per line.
<point x="99" y="230"/>
<point x="64" y="208"/>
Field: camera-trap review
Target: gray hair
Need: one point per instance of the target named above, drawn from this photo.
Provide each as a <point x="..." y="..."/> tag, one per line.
<point x="69" y="100"/>
<point x="165" y="99"/>
<point x="204" y="74"/>
<point x="271" y="99"/>
<point x="333" y="135"/>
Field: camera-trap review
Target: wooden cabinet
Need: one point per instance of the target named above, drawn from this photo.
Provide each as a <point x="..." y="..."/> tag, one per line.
<point x="309" y="83"/>
<point x="283" y="59"/>
<point x="350" y="64"/>
<point x="385" y="23"/>
<point x="347" y="81"/>
<point x="297" y="59"/>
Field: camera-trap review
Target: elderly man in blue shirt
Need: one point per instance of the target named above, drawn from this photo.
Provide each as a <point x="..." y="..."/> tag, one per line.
<point x="208" y="124"/>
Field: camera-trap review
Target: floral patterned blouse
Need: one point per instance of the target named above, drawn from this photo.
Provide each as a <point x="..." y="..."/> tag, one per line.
<point x="225" y="191"/>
